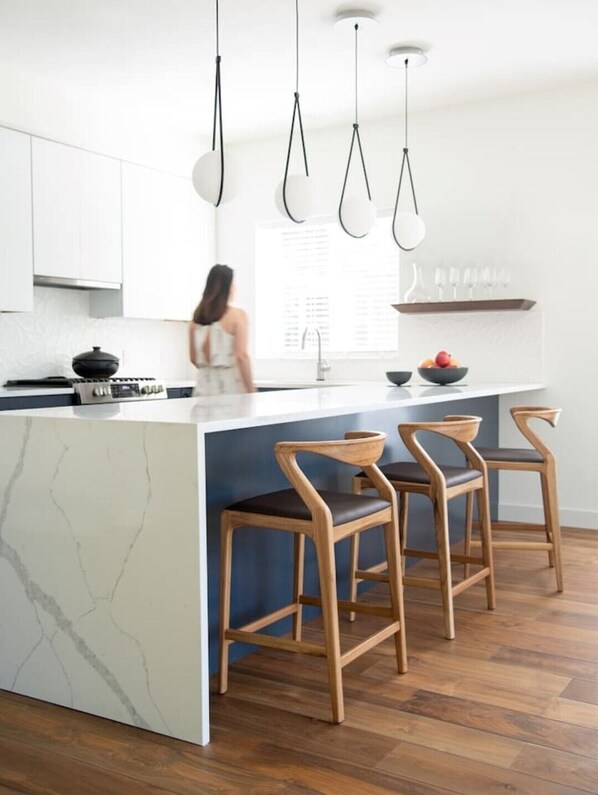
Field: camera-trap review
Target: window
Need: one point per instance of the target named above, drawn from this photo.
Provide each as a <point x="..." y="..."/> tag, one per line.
<point x="316" y="275"/>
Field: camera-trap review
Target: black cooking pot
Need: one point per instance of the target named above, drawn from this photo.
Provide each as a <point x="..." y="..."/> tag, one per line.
<point x="95" y="364"/>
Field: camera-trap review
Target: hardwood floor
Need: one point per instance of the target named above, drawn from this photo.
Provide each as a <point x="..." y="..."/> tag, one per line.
<point x="510" y="705"/>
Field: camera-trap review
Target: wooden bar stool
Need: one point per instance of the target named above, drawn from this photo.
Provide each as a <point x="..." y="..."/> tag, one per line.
<point x="440" y="484"/>
<point x="538" y="459"/>
<point x="326" y="517"/>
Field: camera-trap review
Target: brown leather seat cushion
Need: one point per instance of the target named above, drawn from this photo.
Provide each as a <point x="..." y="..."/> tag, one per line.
<point x="510" y="454"/>
<point x="412" y="472"/>
<point x="344" y="507"/>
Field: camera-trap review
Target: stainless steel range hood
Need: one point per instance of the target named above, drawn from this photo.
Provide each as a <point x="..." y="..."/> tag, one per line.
<point x="74" y="284"/>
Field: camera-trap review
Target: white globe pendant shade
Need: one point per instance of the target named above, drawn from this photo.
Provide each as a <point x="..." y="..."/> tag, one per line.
<point x="358" y="215"/>
<point x="409" y="230"/>
<point x="299" y="196"/>
<point x="206" y="177"/>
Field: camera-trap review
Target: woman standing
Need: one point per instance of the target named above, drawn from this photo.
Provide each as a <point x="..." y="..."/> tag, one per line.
<point x="218" y="339"/>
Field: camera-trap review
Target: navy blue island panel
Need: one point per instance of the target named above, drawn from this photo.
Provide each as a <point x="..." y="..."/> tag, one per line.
<point x="241" y="463"/>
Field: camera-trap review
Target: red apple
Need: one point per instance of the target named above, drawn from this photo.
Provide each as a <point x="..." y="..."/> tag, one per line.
<point x="443" y="359"/>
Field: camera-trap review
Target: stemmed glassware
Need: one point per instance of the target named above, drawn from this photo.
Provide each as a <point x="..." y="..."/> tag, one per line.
<point x="440" y="282"/>
<point x="503" y="277"/>
<point x="470" y="280"/>
<point x="454" y="279"/>
<point x="489" y="280"/>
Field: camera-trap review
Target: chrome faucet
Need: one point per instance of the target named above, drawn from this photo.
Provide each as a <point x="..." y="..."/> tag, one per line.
<point x="323" y="365"/>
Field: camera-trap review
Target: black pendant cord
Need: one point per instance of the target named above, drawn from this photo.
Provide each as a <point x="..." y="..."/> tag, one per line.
<point x="296" y="115"/>
<point x="403" y="162"/>
<point x="354" y="137"/>
<point x="218" y="111"/>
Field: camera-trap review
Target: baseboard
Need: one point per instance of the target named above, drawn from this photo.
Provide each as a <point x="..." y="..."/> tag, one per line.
<point x="570" y="517"/>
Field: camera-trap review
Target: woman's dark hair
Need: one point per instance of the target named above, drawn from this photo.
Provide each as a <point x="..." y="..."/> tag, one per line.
<point x="215" y="296"/>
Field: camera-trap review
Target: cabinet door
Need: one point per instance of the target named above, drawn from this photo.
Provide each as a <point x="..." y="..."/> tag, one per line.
<point x="77" y="213"/>
<point x="167" y="244"/>
<point x="16" y="254"/>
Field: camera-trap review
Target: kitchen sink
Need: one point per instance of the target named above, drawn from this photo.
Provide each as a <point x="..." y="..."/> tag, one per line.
<point x="278" y="386"/>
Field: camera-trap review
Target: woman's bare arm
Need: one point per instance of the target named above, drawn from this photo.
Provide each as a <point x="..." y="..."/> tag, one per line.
<point x="192" y="351"/>
<point x="240" y="350"/>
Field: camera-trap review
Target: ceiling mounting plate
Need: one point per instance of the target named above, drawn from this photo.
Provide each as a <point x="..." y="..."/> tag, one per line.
<point x="414" y="56"/>
<point x="355" y="16"/>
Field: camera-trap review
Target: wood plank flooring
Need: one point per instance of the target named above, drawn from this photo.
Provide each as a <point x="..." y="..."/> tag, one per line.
<point x="511" y="705"/>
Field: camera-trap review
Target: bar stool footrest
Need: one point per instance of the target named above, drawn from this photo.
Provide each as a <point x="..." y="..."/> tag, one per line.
<point x="545" y="546"/>
<point x="270" y="618"/>
<point x="467" y="582"/>
<point x="371" y="641"/>
<point x="368" y="574"/>
<point x="275" y="642"/>
<point x="352" y="607"/>
<point x="457" y="588"/>
<point x="504" y="524"/>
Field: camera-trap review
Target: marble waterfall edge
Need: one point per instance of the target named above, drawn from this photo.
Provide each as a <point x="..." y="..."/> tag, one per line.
<point x="100" y="571"/>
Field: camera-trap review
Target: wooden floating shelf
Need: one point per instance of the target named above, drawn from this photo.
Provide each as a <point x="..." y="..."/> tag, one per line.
<point x="491" y="305"/>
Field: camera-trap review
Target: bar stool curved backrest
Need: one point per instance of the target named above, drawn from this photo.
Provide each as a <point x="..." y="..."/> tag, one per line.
<point x="326" y="517"/>
<point x="440" y="484"/>
<point x="462" y="429"/>
<point x="538" y="459"/>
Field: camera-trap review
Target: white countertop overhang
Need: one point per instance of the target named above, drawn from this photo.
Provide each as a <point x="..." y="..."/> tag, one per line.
<point x="230" y="412"/>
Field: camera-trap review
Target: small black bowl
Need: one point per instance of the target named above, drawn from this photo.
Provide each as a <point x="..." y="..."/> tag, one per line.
<point x="442" y="375"/>
<point x="399" y="377"/>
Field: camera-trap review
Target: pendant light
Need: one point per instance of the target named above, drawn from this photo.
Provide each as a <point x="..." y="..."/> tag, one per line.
<point x="212" y="181"/>
<point x="408" y="229"/>
<point x="356" y="213"/>
<point x="294" y="195"/>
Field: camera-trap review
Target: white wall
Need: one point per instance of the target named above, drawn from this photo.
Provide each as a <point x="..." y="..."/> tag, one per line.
<point x="42" y="343"/>
<point x="510" y="181"/>
<point x="95" y="121"/>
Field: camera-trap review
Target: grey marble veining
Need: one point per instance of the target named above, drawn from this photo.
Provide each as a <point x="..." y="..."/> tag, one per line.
<point x="84" y="619"/>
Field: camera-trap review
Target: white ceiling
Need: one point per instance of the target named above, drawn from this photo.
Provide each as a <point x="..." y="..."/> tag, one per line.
<point x="157" y="56"/>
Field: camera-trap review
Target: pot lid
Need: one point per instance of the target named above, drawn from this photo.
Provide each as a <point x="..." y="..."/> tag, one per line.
<point x="95" y="355"/>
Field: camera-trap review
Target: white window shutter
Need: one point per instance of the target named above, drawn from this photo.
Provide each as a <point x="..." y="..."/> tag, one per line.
<point x="316" y="275"/>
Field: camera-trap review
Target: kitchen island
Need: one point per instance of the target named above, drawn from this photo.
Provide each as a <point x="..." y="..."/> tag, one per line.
<point x="109" y="519"/>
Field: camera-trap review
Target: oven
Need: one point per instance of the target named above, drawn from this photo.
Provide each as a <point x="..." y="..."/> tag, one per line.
<point x="60" y="391"/>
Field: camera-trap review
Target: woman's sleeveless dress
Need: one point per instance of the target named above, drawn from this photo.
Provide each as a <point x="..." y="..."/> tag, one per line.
<point x="220" y="375"/>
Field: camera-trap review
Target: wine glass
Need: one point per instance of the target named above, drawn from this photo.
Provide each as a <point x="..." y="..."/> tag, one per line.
<point x="488" y="280"/>
<point x="470" y="279"/>
<point x="503" y="277"/>
<point x="440" y="282"/>
<point x="491" y="281"/>
<point x="454" y="279"/>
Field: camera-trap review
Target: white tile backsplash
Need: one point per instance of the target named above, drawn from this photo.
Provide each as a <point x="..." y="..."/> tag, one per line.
<point x="43" y="342"/>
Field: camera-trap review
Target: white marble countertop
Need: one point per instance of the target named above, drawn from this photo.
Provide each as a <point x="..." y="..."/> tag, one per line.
<point x="29" y="391"/>
<point x="219" y="413"/>
<point x="17" y="391"/>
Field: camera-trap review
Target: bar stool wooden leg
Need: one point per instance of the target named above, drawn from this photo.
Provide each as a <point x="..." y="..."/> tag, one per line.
<point x="444" y="564"/>
<point x="354" y="564"/>
<point x="354" y="554"/>
<point x="553" y="522"/>
<point x="226" y="560"/>
<point x="547" y="518"/>
<point x="486" y="544"/>
<point x="403" y="515"/>
<point x="298" y="576"/>
<point x="328" y="593"/>
<point x="468" y="528"/>
<point x="395" y="584"/>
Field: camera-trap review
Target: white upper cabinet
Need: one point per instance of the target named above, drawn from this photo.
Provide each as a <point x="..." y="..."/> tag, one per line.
<point x="77" y="214"/>
<point x="167" y="247"/>
<point x="16" y="255"/>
